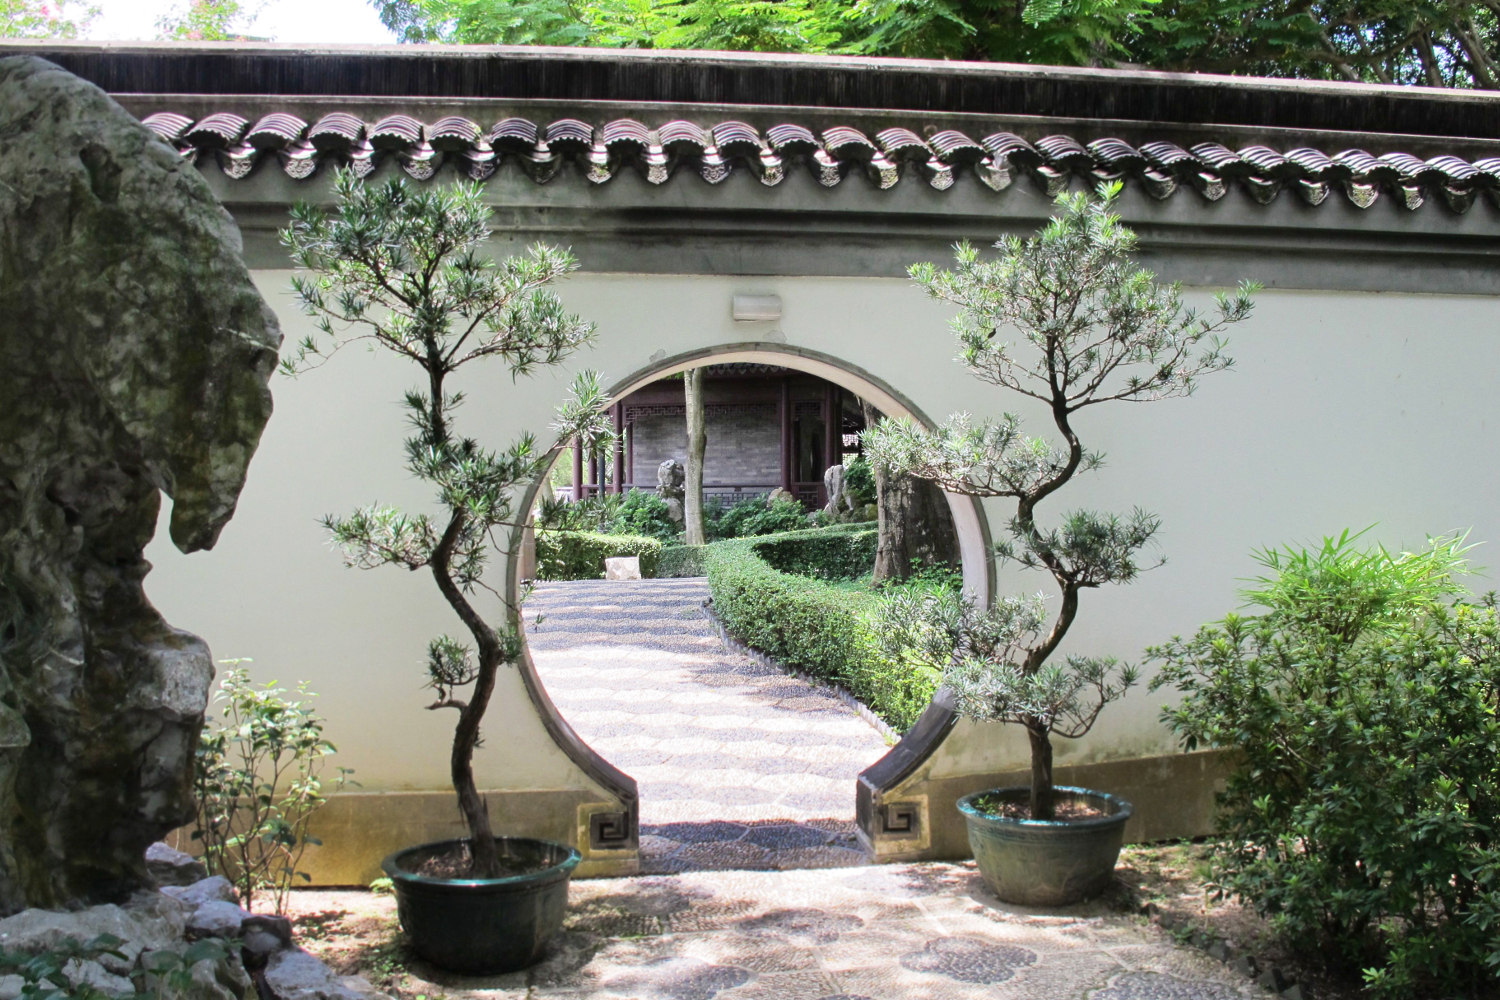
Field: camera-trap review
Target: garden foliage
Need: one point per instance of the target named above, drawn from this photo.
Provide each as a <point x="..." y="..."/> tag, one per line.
<point x="752" y="516"/>
<point x="1362" y="811"/>
<point x="813" y="624"/>
<point x="580" y="555"/>
<point x="405" y="270"/>
<point x="258" y="780"/>
<point x="1067" y="319"/>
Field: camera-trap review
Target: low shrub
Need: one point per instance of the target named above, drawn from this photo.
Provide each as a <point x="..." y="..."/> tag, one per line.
<point x="814" y="625"/>
<point x="681" y="560"/>
<point x="258" y="780"/>
<point x="580" y="555"/>
<point x="1363" y="809"/>
<point x="838" y="552"/>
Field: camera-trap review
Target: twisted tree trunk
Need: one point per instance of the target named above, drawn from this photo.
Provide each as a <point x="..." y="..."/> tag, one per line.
<point x="914" y="523"/>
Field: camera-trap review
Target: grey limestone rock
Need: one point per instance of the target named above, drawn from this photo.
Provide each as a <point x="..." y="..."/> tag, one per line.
<point x="209" y="890"/>
<point x="169" y="866"/>
<point x="295" y="975"/>
<point x="670" y="480"/>
<point x="150" y="925"/>
<point x="135" y="356"/>
<point x="216" y="919"/>
<point x="840" y="502"/>
<point x="779" y="493"/>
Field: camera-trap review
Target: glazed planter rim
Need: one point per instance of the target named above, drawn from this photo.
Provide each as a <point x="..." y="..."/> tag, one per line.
<point x="562" y="869"/>
<point x="1123" y="810"/>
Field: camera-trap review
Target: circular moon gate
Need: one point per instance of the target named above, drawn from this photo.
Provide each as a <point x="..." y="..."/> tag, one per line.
<point x="887" y="828"/>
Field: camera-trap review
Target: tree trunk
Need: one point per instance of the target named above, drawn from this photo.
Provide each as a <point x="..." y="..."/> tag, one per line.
<point x="697" y="440"/>
<point x="1041" y="770"/>
<point x="914" y="523"/>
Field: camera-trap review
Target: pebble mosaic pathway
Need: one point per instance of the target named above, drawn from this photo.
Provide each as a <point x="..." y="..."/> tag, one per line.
<point x="886" y="932"/>
<point x="739" y="765"/>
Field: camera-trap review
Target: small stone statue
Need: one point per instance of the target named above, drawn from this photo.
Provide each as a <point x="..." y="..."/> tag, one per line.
<point x="670" y="477"/>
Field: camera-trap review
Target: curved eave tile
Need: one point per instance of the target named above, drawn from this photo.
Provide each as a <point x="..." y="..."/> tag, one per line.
<point x="603" y="149"/>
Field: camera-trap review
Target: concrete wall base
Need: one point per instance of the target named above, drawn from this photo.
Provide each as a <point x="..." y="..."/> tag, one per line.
<point x="359" y="829"/>
<point x="1173" y="797"/>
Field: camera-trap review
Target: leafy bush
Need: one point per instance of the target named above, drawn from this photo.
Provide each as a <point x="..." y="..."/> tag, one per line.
<point x="723" y="520"/>
<point x="813" y="625"/>
<point x="580" y="555"/>
<point x="1362" y="810"/>
<point x="859" y="480"/>
<point x="752" y="517"/>
<point x="258" y="779"/>
<point x="590" y="514"/>
<point x="643" y="513"/>
<point x="681" y="560"/>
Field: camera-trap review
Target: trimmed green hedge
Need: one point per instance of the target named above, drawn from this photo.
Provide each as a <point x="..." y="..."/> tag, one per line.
<point x="838" y="552"/>
<point x="819" y="628"/>
<point x="580" y="555"/>
<point x="681" y="560"/>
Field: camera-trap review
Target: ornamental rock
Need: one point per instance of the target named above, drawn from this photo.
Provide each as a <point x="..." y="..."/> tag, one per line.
<point x="135" y="356"/>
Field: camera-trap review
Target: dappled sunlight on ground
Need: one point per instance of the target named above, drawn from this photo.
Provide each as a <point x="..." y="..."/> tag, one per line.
<point x="892" y="932"/>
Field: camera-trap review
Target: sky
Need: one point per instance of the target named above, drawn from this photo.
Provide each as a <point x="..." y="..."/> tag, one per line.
<point x="326" y="21"/>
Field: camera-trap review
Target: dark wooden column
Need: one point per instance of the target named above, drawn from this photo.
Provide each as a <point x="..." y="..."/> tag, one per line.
<point x="833" y="437"/>
<point x="619" y="448"/>
<point x="594" y="461"/>
<point x="577" y="471"/>
<point x="630" y="452"/>
<point x="833" y="426"/>
<point x="786" y="435"/>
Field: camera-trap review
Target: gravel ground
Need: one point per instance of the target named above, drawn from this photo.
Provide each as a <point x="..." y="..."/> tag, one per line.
<point x="740" y="766"/>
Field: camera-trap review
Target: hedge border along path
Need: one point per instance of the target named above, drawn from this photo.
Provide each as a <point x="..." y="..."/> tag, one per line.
<point x="839" y="691"/>
<point x="810" y="624"/>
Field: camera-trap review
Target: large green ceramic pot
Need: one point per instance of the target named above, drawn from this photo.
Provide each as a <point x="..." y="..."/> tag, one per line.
<point x="483" y="926"/>
<point x="1044" y="862"/>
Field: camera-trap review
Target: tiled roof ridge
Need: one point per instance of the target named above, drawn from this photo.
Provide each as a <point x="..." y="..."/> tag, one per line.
<point x="602" y="151"/>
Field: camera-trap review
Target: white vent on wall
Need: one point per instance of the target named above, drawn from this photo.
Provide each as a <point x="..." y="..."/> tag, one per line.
<point x="757" y="308"/>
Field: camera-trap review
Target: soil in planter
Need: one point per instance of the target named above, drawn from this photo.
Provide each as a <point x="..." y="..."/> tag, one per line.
<point x="1065" y="811"/>
<point x="455" y="863"/>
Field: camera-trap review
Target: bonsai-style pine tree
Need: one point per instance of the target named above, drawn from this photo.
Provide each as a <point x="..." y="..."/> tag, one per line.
<point x="403" y="270"/>
<point x="1093" y="329"/>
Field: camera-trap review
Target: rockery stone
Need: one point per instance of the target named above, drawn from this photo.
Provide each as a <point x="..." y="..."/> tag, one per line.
<point x="135" y="356"/>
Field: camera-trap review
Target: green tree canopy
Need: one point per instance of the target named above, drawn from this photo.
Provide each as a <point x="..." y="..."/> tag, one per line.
<point x="43" y="18"/>
<point x="1444" y="43"/>
<point x="1051" y="31"/>
<point x="207" y="21"/>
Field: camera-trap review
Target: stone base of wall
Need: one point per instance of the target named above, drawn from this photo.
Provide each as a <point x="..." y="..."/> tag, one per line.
<point x="359" y="829"/>
<point x="1173" y="795"/>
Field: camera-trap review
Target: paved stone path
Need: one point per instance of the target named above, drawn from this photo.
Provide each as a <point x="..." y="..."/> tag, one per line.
<point x="885" y="932"/>
<point x="740" y="766"/>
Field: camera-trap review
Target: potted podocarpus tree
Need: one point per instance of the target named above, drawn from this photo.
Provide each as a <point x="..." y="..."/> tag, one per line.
<point x="404" y="270"/>
<point x="1093" y="329"/>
